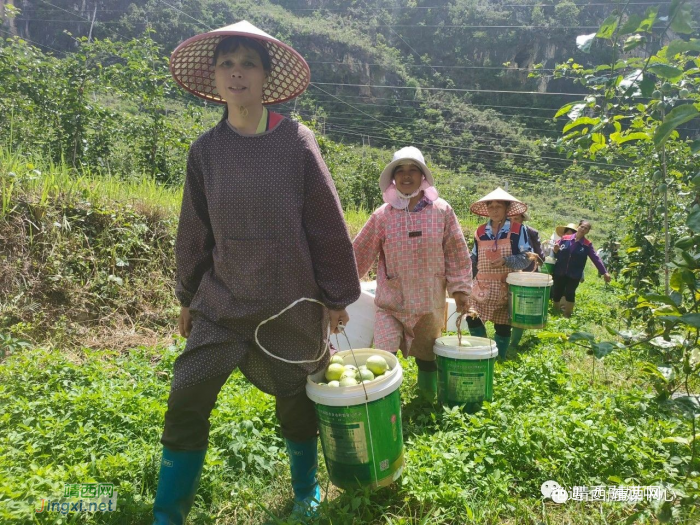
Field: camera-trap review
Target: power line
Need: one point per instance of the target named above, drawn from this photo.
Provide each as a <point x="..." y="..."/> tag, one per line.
<point x="409" y="47"/>
<point x="189" y="16"/>
<point x="411" y="100"/>
<point x="439" y="7"/>
<point x="479" y="26"/>
<point x="476" y="161"/>
<point x="30" y="41"/>
<point x="449" y="89"/>
<point x="530" y="117"/>
<point x="505" y="153"/>
<point x="464" y="126"/>
<point x="347" y="104"/>
<point x="78" y="21"/>
<point x="486" y="106"/>
<point x="436" y="67"/>
<point x="64" y="10"/>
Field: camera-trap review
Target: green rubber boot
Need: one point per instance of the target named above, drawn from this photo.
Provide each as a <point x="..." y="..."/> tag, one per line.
<point x="427" y="385"/>
<point x="179" y="478"/>
<point x="502" y="344"/>
<point x="515" y="336"/>
<point x="478" y="331"/>
<point x="303" y="464"/>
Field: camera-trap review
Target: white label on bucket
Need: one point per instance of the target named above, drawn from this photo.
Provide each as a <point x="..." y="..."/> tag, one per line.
<point x="529" y="306"/>
<point x="345" y="443"/>
<point x="466" y="387"/>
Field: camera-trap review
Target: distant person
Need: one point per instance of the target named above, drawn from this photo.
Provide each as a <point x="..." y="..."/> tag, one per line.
<point x="422" y="253"/>
<point x="572" y="251"/>
<point x="533" y="237"/>
<point x="500" y="247"/>
<point x="260" y="227"/>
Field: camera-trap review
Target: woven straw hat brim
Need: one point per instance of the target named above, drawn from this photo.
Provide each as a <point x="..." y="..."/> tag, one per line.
<point x="516" y="207"/>
<point x="191" y="65"/>
<point x="570" y="226"/>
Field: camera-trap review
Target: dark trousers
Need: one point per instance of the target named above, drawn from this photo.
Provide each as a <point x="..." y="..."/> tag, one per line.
<point x="426" y="366"/>
<point x="564" y="286"/>
<point x="501" y="329"/>
<point x="187" y="417"/>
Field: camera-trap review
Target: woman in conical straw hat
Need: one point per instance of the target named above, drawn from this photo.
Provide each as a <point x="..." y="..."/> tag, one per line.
<point x="500" y="246"/>
<point x="422" y="253"/>
<point x="260" y="227"/>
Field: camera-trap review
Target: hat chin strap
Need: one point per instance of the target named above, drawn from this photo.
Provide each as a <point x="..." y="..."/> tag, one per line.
<point x="400" y="201"/>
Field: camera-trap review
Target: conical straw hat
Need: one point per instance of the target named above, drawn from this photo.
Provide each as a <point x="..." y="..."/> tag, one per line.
<point x="499" y="194"/>
<point x="191" y="65"/>
<point x="570" y="226"/>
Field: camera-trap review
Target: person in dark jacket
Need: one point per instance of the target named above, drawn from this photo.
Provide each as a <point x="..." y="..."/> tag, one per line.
<point x="533" y="237"/>
<point x="572" y="251"/>
<point x="261" y="228"/>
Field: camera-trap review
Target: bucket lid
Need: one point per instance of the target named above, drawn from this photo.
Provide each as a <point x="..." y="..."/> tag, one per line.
<point x="481" y="347"/>
<point x="355" y="395"/>
<point x="550" y="260"/>
<point x="531" y="279"/>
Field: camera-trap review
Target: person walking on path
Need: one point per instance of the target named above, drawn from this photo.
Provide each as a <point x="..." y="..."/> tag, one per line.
<point x="572" y="251"/>
<point x="500" y="247"/>
<point x="422" y="253"/>
<point x="260" y="227"/>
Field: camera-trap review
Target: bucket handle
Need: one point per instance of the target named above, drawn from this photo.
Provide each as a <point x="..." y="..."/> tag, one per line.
<point x="369" y="424"/>
<point x="458" y="323"/>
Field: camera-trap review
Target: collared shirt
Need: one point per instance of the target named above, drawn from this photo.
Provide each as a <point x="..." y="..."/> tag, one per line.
<point x="422" y="203"/>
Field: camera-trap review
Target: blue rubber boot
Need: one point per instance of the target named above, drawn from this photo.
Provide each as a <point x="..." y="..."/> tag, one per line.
<point x="502" y="344"/>
<point x="427" y="385"/>
<point x="180" y="471"/>
<point x="478" y="331"/>
<point x="515" y="336"/>
<point x="303" y="463"/>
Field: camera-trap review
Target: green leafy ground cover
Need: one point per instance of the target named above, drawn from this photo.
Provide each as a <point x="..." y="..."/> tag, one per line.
<point x="79" y="415"/>
<point x="83" y="397"/>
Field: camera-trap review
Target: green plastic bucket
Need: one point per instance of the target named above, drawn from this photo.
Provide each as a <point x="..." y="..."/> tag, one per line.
<point x="528" y="299"/>
<point x="548" y="266"/>
<point x="465" y="373"/>
<point x="360" y="426"/>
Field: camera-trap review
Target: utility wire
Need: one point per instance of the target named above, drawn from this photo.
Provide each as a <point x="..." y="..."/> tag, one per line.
<point x="30" y="41"/>
<point x="347" y="104"/>
<point x="189" y="16"/>
<point x="481" y="150"/>
<point x="503" y="68"/>
<point x="448" y="89"/>
<point x="342" y="131"/>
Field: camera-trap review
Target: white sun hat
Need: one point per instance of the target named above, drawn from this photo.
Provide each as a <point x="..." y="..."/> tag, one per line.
<point x="499" y="194"/>
<point x="192" y="68"/>
<point x="409" y="153"/>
